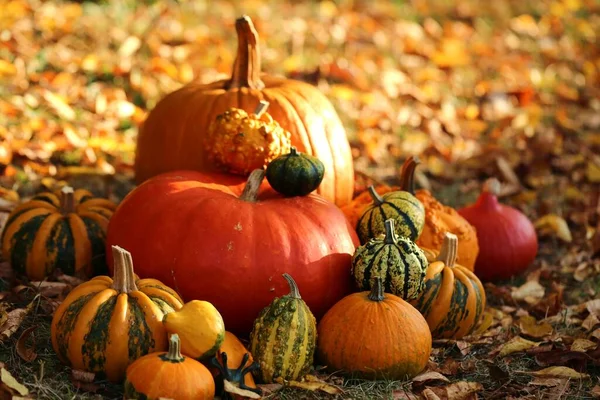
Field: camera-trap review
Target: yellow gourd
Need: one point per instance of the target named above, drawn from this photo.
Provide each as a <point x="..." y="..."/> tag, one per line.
<point x="200" y="328"/>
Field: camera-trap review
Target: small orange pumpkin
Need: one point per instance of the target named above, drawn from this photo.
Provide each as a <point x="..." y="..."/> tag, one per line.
<point x="373" y="335"/>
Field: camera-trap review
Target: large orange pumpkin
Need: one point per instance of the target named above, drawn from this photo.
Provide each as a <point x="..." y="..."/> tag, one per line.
<point x="199" y="233"/>
<point x="172" y="136"/>
<point x="439" y="218"/>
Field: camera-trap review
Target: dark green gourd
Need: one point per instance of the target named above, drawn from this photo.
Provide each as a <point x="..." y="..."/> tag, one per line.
<point x="295" y="174"/>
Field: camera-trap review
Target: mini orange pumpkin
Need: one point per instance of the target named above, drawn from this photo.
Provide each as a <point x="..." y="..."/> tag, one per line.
<point x="439" y="218"/>
<point x="373" y="335"/>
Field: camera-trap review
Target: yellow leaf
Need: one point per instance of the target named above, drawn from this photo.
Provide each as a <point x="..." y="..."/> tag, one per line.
<point x="12" y="383"/>
<point x="313" y="384"/>
<point x="486" y="322"/>
<point x="58" y="104"/>
<point x="517" y="344"/>
<point x="531" y="292"/>
<point x="530" y="327"/>
<point x="14" y="320"/>
<point x="7" y="68"/>
<point x="555" y="224"/>
<point x="560" y="372"/>
<point x="582" y="345"/>
<point x="593" y="172"/>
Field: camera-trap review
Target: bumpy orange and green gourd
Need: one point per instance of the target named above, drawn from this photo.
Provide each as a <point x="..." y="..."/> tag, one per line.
<point x="454" y="299"/>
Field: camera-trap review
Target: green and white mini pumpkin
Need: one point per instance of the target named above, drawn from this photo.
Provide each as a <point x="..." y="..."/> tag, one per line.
<point x="398" y="262"/>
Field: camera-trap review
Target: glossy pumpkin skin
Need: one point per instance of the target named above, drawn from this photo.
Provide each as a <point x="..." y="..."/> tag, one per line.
<point x="507" y="239"/>
<point x="206" y="243"/>
<point x="454" y="299"/>
<point x="168" y="375"/>
<point x="370" y="335"/>
<point x="104" y="325"/>
<point x="172" y="136"/>
<point x="295" y="174"/>
<point x="65" y="230"/>
<point x="199" y="326"/>
<point x="399" y="263"/>
<point x="284" y="338"/>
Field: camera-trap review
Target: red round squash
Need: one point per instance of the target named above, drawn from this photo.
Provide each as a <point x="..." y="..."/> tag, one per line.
<point x="200" y="234"/>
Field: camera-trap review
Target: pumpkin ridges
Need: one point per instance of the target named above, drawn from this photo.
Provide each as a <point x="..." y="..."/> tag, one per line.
<point x="341" y="153"/>
<point x="319" y="144"/>
<point x="442" y="300"/>
<point x="81" y="244"/>
<point x="67" y="310"/>
<point x="18" y="242"/>
<point x="153" y="325"/>
<point x="40" y="242"/>
<point x="82" y="326"/>
<point x="116" y="351"/>
<point x="471" y="302"/>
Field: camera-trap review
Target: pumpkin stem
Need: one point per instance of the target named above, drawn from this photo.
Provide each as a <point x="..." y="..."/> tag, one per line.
<point x="293" y="151"/>
<point x="253" y="183"/>
<point x="492" y="186"/>
<point x="174" y="353"/>
<point x="377" y="199"/>
<point x="67" y="200"/>
<point x="246" y="68"/>
<point x="407" y="174"/>
<point x="261" y="108"/>
<point x="377" y="291"/>
<point x="449" y="250"/>
<point x="390" y="233"/>
<point x="294" y="292"/>
<point x="124" y="278"/>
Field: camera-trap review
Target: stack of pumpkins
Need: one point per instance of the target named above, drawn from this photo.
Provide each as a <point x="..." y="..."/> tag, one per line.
<point x="206" y="223"/>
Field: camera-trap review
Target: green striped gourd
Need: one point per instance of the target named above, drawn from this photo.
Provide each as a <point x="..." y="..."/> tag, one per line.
<point x="398" y="262"/>
<point x="454" y="299"/>
<point x="295" y="174"/>
<point x="105" y="324"/>
<point x="403" y="207"/>
<point x="65" y="230"/>
<point x="284" y="337"/>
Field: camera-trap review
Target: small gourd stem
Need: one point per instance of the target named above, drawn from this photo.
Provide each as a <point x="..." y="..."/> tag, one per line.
<point x="174" y="353"/>
<point x="449" y="250"/>
<point x="246" y="68"/>
<point x="407" y="175"/>
<point x="492" y="186"/>
<point x="390" y="233"/>
<point x="261" y="108"/>
<point x="294" y="151"/>
<point x="253" y="183"/>
<point x="67" y="200"/>
<point x="377" y="199"/>
<point x="377" y="291"/>
<point x="124" y="277"/>
<point x="294" y="292"/>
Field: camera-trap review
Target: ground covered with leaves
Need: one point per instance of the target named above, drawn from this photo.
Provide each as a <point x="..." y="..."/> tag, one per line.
<point x="509" y="89"/>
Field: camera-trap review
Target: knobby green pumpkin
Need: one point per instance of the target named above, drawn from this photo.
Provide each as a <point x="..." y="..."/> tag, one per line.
<point x="295" y="174"/>
<point x="403" y="207"/>
<point x="398" y="262"/>
<point x="284" y="337"/>
<point x="453" y="299"/>
<point x="63" y="230"/>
